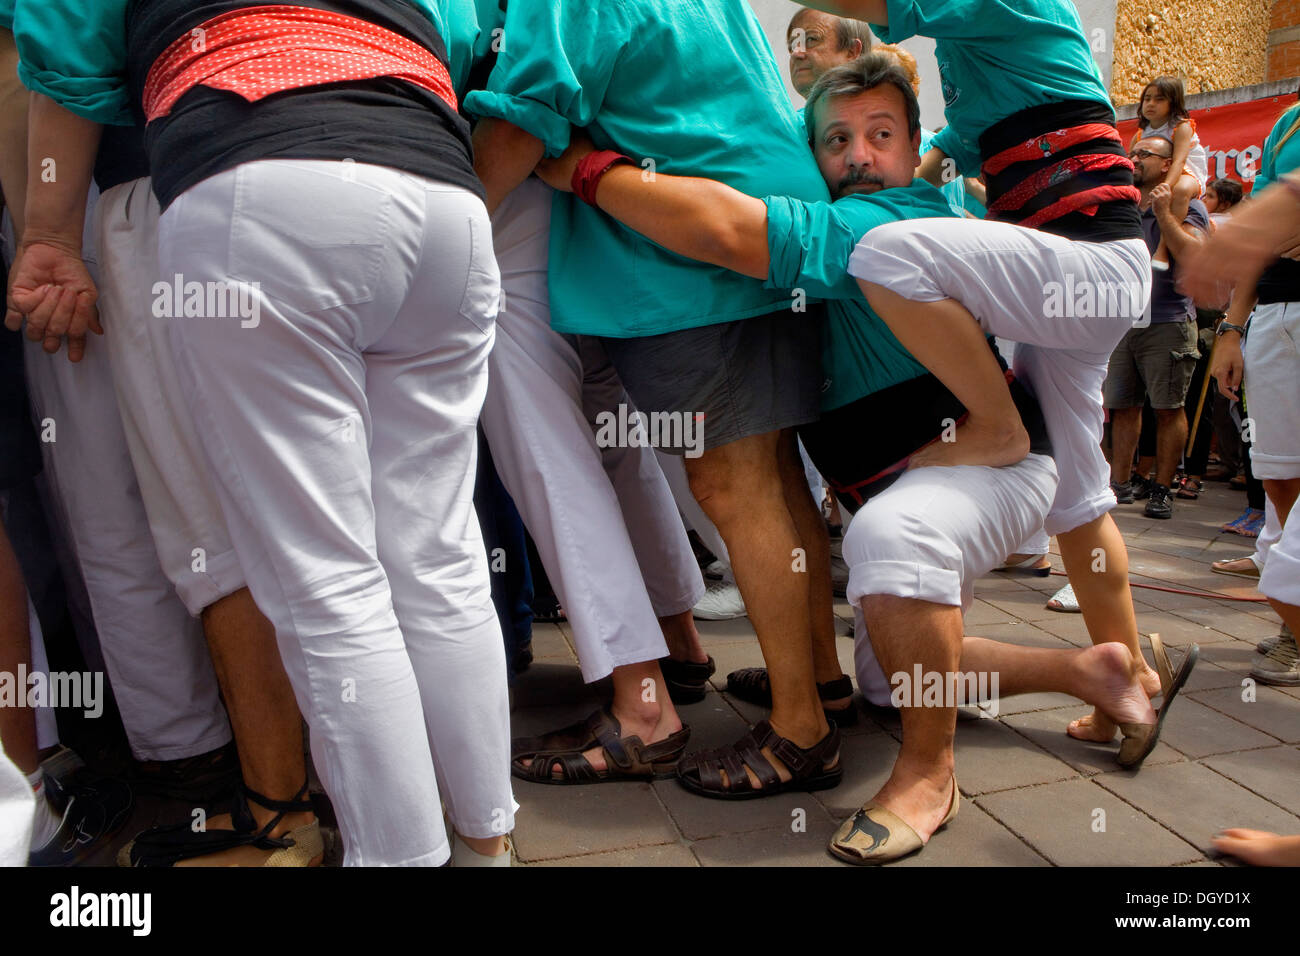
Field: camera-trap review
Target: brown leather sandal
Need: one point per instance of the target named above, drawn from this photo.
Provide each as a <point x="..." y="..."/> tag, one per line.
<point x="817" y="768"/>
<point x="626" y="758"/>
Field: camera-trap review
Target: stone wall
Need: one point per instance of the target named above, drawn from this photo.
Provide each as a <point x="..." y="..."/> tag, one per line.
<point x="1211" y="44"/>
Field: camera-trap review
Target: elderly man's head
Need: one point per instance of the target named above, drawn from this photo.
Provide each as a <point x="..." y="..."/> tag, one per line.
<point x="818" y="41"/>
<point x="865" y="126"/>
<point x="1152" y="156"/>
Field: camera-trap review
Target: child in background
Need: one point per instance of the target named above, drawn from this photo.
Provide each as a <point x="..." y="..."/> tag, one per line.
<point x="1162" y="112"/>
<point x="1220" y="196"/>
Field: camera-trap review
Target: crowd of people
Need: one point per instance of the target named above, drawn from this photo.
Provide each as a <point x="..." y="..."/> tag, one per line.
<point x="337" y="311"/>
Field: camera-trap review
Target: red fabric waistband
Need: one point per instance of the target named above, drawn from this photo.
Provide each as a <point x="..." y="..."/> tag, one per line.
<point x="1052" y="175"/>
<point x="1085" y="202"/>
<point x="269" y="49"/>
<point x="1048" y="144"/>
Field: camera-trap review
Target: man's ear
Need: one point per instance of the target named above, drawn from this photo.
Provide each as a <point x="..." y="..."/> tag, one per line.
<point x="855" y="50"/>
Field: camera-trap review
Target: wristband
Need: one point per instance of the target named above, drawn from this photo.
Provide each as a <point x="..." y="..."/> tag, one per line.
<point x="586" y="176"/>
<point x="1229" y="327"/>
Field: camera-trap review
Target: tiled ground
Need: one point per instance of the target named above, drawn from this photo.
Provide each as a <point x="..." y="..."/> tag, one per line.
<point x="1031" y="795"/>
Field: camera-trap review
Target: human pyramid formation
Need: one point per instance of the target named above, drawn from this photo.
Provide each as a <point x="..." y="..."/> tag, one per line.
<point x="334" y="237"/>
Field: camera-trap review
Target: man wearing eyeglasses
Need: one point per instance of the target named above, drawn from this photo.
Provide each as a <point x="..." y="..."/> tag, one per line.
<point x="1156" y="358"/>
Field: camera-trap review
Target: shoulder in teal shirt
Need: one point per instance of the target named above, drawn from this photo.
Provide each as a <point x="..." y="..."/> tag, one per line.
<point x="1278" y="162"/>
<point x="996" y="58"/>
<point x="691" y="85"/>
<point x="810" y="245"/>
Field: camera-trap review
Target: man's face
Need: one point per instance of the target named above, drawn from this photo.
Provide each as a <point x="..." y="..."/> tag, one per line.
<point x="1151" y="162"/>
<point x="862" y="144"/>
<point x="814" y="48"/>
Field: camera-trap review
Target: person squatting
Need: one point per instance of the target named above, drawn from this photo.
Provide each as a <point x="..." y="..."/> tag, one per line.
<point x="300" y="253"/>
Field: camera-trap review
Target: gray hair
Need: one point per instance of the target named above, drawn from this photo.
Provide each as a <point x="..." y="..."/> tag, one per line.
<point x="865" y="73"/>
<point x="847" y="30"/>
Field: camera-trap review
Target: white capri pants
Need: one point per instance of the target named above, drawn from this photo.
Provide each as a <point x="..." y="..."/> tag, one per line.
<point x="176" y="483"/>
<point x="931" y="534"/>
<point x="154" y="651"/>
<point x="339" y="418"/>
<point x="604" y="520"/>
<point x="1015" y="281"/>
<point x="1272" y="379"/>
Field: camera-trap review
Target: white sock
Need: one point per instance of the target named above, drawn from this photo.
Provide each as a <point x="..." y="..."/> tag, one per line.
<point x="46" y="822"/>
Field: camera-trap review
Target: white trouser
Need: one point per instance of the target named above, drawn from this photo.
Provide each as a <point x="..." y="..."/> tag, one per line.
<point x="179" y="494"/>
<point x="603" y="519"/>
<point x="1280" y="577"/>
<point x="17" y="804"/>
<point x="339" y="416"/>
<point x="1029" y="286"/>
<point x="931" y="534"/>
<point x="1268" y="535"/>
<point x="1272" y="381"/>
<point x="157" y="661"/>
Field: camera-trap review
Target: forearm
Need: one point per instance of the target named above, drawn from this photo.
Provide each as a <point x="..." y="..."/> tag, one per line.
<point x="1177" y="239"/>
<point x="13" y="132"/>
<point x="932" y="168"/>
<point x="504" y="156"/>
<point x="61" y="148"/>
<point x="1243" y="303"/>
<point x="697" y="218"/>
<point x="873" y="11"/>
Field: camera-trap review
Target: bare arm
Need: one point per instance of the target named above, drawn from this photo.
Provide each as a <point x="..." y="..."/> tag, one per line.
<point x="504" y="155"/>
<point x="50" y="286"/>
<point x="697" y="218"/>
<point x="1179" y="237"/>
<point x="13" y="132"/>
<point x="932" y="167"/>
<point x="1182" y="146"/>
<point x="1227" y="366"/>
<point x="873" y="11"/>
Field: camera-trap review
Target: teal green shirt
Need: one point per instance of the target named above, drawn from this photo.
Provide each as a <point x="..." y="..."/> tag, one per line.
<point x="810" y="245"/>
<point x="997" y="57"/>
<point x="954" y="191"/>
<point x="74" y="51"/>
<point x="690" y="84"/>
<point x="1275" y="162"/>
<point x="7" y="14"/>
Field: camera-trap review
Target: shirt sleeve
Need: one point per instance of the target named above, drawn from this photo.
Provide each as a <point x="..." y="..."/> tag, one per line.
<point x="809" y="246"/>
<point x="1197" y="217"/>
<point x="940" y="19"/>
<point x="75" y="53"/>
<point x="1268" y="159"/>
<point x="967" y="160"/>
<point x="554" y="67"/>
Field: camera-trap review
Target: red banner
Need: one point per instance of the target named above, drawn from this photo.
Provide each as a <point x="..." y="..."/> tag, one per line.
<point x="1233" y="135"/>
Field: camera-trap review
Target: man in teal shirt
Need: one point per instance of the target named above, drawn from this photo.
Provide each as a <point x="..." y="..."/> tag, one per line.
<point x="922" y="539"/>
<point x="691" y="86"/>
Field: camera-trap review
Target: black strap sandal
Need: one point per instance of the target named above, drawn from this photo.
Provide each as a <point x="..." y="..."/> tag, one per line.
<point x="168" y="845"/>
<point x="626" y="758"/>
<point x="816" y="768"/>
<point x="687" y="680"/>
<point x="751" y="685"/>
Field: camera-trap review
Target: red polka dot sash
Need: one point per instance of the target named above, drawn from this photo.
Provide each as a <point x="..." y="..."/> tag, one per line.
<point x="257" y="51"/>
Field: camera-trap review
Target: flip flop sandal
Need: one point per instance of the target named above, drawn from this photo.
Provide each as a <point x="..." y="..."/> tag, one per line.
<point x="1190" y="489"/>
<point x="169" y="845"/>
<point x="817" y="768"/>
<point x="1064" y="601"/>
<point x="1140" y="739"/>
<point x="626" y="758"/>
<point x="1221" y="567"/>
<point x="687" y="680"/>
<point x="1161" y="658"/>
<point x="874" y="835"/>
<point x="751" y="685"/>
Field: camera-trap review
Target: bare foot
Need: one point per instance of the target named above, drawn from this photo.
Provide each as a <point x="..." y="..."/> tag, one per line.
<point x="921" y="800"/>
<point x="1107" y="680"/>
<point x="975" y="442"/>
<point x="1259" y="848"/>
<point x="1097" y="727"/>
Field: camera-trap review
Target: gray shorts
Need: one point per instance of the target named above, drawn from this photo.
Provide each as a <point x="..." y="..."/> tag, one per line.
<point x="732" y="380"/>
<point x="1155" y="362"/>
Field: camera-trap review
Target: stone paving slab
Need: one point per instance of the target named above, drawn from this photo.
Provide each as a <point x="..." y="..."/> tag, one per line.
<point x="991" y="756"/>
<point x="558" y="821"/>
<point x="1046" y="728"/>
<point x="974" y="838"/>
<point x="1077" y="823"/>
<point x="1196" y="803"/>
<point x="1274" y="774"/>
<point x="668" y="854"/>
<point x="776" y="846"/>
<point x="1196" y="730"/>
<point x="1271" y="712"/>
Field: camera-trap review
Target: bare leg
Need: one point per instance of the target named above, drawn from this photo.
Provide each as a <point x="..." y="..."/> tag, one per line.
<point x="682" y="638"/>
<point x="1096" y="561"/>
<point x="1171" y="437"/>
<point x="1125" y="430"/>
<point x="947" y="340"/>
<point x="905" y="632"/>
<point x="17" y="724"/>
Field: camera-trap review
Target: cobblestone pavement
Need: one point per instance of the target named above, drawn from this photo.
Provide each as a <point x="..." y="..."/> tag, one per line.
<point x="1032" y="795"/>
